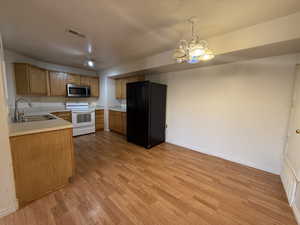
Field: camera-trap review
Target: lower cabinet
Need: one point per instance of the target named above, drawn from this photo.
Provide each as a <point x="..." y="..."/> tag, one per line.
<point x="124" y="122"/>
<point x="42" y="163"/>
<point x="99" y="117"/>
<point x="64" y="115"/>
<point x="117" y="121"/>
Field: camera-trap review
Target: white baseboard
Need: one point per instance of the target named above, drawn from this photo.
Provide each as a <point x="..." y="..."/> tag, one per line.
<point x="296" y="213"/>
<point x="9" y="210"/>
<point x="289" y="180"/>
<point x="220" y="155"/>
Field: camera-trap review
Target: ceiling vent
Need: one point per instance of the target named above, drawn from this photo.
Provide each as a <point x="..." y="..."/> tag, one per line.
<point x="75" y="33"/>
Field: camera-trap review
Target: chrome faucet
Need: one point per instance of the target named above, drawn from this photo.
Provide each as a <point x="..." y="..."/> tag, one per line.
<point x="17" y="115"/>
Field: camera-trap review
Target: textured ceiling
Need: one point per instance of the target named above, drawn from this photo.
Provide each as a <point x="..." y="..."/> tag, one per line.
<point x="119" y="30"/>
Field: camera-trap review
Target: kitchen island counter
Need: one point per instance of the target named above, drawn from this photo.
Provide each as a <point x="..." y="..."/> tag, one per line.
<point x="24" y="128"/>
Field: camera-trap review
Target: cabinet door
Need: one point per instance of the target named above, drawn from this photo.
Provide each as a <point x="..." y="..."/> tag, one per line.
<point x="124" y="123"/>
<point x="115" y="121"/>
<point x="42" y="162"/>
<point x="112" y="121"/>
<point x="121" y="85"/>
<point x="119" y="122"/>
<point x="118" y="84"/>
<point x="38" y="80"/>
<point x="22" y="78"/>
<point x="99" y="119"/>
<point x="85" y="81"/>
<point x="57" y="83"/>
<point x="73" y="79"/>
<point x="94" y="84"/>
<point x="123" y="90"/>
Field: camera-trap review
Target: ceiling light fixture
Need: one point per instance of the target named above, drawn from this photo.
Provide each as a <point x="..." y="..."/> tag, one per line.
<point x="90" y="63"/>
<point x="193" y="51"/>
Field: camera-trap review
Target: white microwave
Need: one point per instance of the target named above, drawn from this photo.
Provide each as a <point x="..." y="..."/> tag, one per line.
<point x="78" y="91"/>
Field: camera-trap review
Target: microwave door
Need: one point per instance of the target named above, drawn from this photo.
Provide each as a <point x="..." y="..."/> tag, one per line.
<point x="77" y="91"/>
<point x="74" y="91"/>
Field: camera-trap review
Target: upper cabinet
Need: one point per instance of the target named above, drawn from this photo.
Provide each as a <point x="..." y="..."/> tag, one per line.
<point x="58" y="81"/>
<point x="92" y="82"/>
<point x="31" y="80"/>
<point x="73" y="79"/>
<point x="120" y="85"/>
<point x="119" y="88"/>
<point x="34" y="81"/>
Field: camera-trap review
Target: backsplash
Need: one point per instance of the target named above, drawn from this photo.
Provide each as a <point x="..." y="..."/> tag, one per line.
<point x="52" y="101"/>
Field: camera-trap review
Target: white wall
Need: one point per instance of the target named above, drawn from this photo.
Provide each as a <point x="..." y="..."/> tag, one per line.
<point x="235" y="111"/>
<point x="108" y="97"/>
<point x="11" y="57"/>
<point x="8" y="201"/>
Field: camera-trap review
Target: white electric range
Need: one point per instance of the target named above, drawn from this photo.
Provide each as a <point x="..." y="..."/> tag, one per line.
<point x="83" y="118"/>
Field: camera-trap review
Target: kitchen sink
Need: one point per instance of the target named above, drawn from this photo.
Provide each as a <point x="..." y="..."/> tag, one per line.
<point x="34" y="118"/>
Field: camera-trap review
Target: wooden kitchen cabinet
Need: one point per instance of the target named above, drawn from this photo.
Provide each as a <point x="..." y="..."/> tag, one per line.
<point x="31" y="80"/>
<point x="92" y="82"/>
<point x="42" y="163"/>
<point x="58" y="81"/>
<point x="34" y="81"/>
<point x="99" y="117"/>
<point x="123" y="88"/>
<point x="120" y="84"/>
<point x="65" y="115"/>
<point x="95" y="90"/>
<point x="124" y="122"/>
<point x="117" y="121"/>
<point x="84" y="81"/>
<point x="73" y="79"/>
<point x="119" y="88"/>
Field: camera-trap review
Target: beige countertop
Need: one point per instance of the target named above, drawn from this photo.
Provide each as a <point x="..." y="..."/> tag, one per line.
<point x="98" y="107"/>
<point x="18" y="129"/>
<point x="43" y="110"/>
<point x="118" y="108"/>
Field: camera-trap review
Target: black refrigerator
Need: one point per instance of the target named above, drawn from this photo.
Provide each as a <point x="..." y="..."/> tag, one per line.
<point x="146" y="113"/>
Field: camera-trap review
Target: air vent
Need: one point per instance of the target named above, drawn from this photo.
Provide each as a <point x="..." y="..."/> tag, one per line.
<point x="75" y="33"/>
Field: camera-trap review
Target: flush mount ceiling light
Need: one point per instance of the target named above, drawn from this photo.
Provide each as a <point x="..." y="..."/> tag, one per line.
<point x="193" y="51"/>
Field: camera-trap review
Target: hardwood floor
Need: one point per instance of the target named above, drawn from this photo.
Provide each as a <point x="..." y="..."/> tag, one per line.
<point x="120" y="183"/>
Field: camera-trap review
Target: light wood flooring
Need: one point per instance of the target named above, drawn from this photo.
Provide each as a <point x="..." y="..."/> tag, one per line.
<point x="120" y="183"/>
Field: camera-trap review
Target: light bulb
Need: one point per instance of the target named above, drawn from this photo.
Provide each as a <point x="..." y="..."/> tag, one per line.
<point x="207" y="56"/>
<point x="90" y="63"/>
<point x="197" y="51"/>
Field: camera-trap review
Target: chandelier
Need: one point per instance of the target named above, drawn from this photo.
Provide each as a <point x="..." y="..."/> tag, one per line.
<point x="193" y="51"/>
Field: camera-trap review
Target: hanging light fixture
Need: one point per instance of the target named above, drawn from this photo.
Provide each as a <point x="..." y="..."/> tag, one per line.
<point x="193" y="51"/>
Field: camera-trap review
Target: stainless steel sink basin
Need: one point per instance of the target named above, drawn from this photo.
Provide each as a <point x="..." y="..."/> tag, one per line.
<point x="38" y="118"/>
